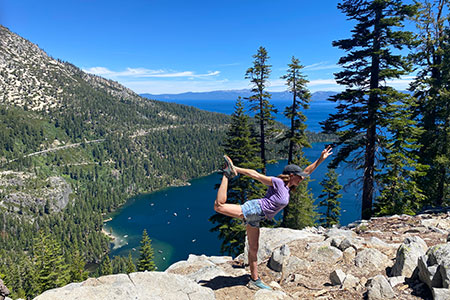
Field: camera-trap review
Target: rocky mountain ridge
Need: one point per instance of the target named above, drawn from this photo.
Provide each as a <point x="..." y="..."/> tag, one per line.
<point x="30" y="78"/>
<point x="396" y="257"/>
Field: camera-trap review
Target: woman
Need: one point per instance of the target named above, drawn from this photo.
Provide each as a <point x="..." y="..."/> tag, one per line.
<point x="255" y="211"/>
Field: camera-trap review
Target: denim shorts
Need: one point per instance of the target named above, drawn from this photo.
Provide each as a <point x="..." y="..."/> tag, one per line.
<point x="253" y="213"/>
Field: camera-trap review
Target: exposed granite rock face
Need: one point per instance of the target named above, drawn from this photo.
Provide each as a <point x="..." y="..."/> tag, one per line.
<point x="22" y="190"/>
<point x="4" y="291"/>
<point x="142" y="286"/>
<point x="303" y="273"/>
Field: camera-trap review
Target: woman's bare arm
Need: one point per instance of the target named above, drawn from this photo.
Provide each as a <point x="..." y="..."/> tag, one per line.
<point x="325" y="153"/>
<point x="266" y="180"/>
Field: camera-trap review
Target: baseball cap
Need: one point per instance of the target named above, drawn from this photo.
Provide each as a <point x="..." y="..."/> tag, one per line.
<point x="294" y="169"/>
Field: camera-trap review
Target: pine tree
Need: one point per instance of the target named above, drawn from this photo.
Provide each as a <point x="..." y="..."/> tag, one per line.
<point x="330" y="199"/>
<point x="296" y="135"/>
<point x="49" y="261"/>
<point x="369" y="64"/>
<point x="259" y="75"/>
<point x="431" y="88"/>
<point x="76" y="268"/>
<point x="106" y="266"/>
<point x="145" y="262"/>
<point x="241" y="146"/>
<point x="301" y="211"/>
<point x="29" y="277"/>
<point x="399" y="162"/>
<point x="130" y="264"/>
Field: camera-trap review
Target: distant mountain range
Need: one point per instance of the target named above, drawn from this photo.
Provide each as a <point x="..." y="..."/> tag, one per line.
<point x="231" y="95"/>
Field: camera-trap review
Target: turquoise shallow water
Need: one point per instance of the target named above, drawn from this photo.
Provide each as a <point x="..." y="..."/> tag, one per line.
<point x="176" y="218"/>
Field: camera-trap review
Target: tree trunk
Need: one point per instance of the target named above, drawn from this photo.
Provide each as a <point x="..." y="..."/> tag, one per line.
<point x="369" y="165"/>
<point x="294" y="109"/>
<point x="262" y="135"/>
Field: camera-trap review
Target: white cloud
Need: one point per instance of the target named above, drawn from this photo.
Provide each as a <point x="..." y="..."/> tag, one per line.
<point x="321" y="66"/>
<point x="401" y="83"/>
<point x="146" y="73"/>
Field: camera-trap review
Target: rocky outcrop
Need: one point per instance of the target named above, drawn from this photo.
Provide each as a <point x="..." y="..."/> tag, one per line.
<point x="397" y="257"/>
<point x="142" y="286"/>
<point x="4" y="291"/>
<point x="23" y="190"/>
<point x="30" y="78"/>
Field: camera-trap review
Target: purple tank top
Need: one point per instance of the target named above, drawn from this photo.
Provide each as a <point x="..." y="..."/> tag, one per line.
<point x="277" y="197"/>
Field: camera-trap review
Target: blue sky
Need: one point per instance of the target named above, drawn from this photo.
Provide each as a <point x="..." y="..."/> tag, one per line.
<point x="172" y="46"/>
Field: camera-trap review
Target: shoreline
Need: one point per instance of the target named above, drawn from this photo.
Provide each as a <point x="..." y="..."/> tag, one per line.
<point x="111" y="236"/>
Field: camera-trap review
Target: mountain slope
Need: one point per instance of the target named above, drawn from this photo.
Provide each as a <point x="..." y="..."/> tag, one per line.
<point x="74" y="147"/>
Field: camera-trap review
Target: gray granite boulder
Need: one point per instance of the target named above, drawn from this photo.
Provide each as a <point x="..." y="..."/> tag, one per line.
<point x="4" y="291"/>
<point x="440" y="294"/>
<point x="141" y="285"/>
<point x="408" y="255"/>
<point x="272" y="238"/>
<point x="350" y="282"/>
<point x="337" y="277"/>
<point x="378" y="288"/>
<point x="279" y="257"/>
<point x="427" y="274"/>
<point x="371" y="259"/>
<point x="434" y="267"/>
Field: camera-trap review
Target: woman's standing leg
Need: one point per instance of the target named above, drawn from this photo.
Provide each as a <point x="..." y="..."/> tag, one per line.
<point x="253" y="245"/>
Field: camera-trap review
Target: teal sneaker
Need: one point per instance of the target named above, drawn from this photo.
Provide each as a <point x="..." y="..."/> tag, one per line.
<point x="229" y="169"/>
<point x="257" y="285"/>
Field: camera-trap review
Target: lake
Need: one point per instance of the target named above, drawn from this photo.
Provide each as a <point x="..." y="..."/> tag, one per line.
<point x="318" y="111"/>
<point x="176" y="218"/>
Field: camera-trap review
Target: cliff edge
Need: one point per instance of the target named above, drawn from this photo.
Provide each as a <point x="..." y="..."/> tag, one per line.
<point x="396" y="257"/>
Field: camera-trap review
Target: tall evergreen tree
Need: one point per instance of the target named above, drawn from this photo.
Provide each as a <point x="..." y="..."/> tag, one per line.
<point x="330" y="199"/>
<point x="370" y="63"/>
<point x="76" y="268"/>
<point x="296" y="83"/>
<point x="146" y="262"/>
<point x="399" y="192"/>
<point x="51" y="269"/>
<point x="242" y="147"/>
<point x="431" y="88"/>
<point x="259" y="74"/>
<point x="130" y="264"/>
<point x="106" y="266"/>
<point x="301" y="211"/>
<point x="29" y="277"/>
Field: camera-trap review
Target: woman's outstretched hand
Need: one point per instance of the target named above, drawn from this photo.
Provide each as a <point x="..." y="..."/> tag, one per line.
<point x="326" y="152"/>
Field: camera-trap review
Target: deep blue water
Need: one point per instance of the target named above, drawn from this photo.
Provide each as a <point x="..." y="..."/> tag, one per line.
<point x="176" y="218"/>
<point x="317" y="112"/>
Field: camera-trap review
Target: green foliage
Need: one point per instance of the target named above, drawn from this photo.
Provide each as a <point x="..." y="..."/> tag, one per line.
<point x="330" y="199"/>
<point x="130" y="267"/>
<point x="242" y="147"/>
<point x="431" y="89"/>
<point x="359" y="121"/>
<point x="259" y="74"/>
<point x="301" y="211"/>
<point x="106" y="266"/>
<point x="145" y="262"/>
<point x="296" y="135"/>
<point x="400" y="194"/>
<point x="77" y="268"/>
<point x="51" y="269"/>
<point x="124" y="154"/>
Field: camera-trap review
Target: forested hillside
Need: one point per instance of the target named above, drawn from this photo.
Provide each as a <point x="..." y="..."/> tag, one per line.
<point x="74" y="147"/>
